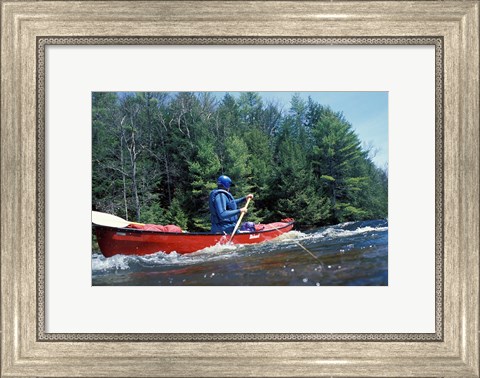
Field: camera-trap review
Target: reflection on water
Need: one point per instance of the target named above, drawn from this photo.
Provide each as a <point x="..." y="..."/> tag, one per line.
<point x="353" y="253"/>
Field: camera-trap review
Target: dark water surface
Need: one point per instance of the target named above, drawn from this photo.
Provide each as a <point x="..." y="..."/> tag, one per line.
<point x="352" y="253"/>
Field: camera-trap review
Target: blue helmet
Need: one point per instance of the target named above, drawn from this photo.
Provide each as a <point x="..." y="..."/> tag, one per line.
<point x="225" y="181"/>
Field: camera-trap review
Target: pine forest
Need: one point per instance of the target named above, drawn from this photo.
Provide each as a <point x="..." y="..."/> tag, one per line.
<point x="157" y="155"/>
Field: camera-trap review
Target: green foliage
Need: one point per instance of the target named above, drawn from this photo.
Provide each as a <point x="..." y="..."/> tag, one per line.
<point x="156" y="157"/>
<point x="295" y="190"/>
<point x="153" y="214"/>
<point x="203" y="171"/>
<point x="258" y="172"/>
<point x="328" y="178"/>
<point x="250" y="109"/>
<point x="339" y="162"/>
<point x="176" y="215"/>
<point x="348" y="212"/>
<point x="237" y="163"/>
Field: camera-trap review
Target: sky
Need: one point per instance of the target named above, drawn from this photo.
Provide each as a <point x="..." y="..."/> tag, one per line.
<point x="367" y="112"/>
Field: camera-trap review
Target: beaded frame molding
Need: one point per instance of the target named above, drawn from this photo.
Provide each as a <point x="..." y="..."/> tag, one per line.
<point x="437" y="42"/>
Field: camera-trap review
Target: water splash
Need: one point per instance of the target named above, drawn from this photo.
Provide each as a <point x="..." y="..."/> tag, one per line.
<point x="118" y="263"/>
<point x="103" y="264"/>
<point x="339" y="233"/>
<point x="231" y="254"/>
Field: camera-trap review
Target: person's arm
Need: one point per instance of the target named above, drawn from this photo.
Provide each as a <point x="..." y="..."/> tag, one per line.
<point x="221" y="207"/>
<point x="240" y="200"/>
<point x="237" y="201"/>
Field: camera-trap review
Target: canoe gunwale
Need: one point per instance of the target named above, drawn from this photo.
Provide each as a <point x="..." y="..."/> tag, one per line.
<point x="136" y="230"/>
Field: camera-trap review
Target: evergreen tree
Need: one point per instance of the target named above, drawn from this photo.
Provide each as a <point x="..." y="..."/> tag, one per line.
<point x="237" y="167"/>
<point x="153" y="213"/>
<point x="295" y="191"/>
<point x="259" y="163"/>
<point x="337" y="161"/>
<point x="176" y="214"/>
<point x="203" y="172"/>
<point x="226" y="123"/>
<point x="250" y="110"/>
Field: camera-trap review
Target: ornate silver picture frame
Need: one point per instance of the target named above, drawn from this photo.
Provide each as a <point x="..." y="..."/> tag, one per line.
<point x="451" y="27"/>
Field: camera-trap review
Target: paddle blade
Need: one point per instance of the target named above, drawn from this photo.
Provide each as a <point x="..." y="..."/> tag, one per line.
<point x="104" y="219"/>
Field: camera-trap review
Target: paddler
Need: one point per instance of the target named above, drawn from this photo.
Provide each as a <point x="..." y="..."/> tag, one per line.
<point x="224" y="209"/>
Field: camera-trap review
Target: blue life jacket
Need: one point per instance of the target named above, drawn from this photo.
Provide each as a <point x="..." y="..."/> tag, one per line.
<point x="225" y="223"/>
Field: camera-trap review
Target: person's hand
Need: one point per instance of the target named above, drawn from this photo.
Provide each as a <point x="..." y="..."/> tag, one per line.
<point x="249" y="196"/>
<point x="244" y="210"/>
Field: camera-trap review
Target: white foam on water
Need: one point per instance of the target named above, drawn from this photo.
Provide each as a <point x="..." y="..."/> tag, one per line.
<point x="217" y="249"/>
<point x="102" y="264"/>
<point x="288" y="236"/>
<point x="125" y="262"/>
<point x="334" y="232"/>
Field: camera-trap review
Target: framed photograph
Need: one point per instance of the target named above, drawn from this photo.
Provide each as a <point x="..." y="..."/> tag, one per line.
<point x="318" y="178"/>
<point x="240" y="188"/>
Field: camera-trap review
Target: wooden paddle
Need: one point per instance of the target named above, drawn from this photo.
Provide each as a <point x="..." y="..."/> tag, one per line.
<point x="238" y="222"/>
<point x="104" y="219"/>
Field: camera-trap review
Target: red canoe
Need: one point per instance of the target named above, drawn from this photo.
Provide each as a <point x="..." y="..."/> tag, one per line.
<point x="130" y="241"/>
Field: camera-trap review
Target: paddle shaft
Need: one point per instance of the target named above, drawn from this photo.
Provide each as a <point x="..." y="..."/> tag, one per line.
<point x="304" y="248"/>
<point x="238" y="222"/>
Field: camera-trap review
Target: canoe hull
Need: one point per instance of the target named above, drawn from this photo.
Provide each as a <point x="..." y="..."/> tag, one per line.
<point x="127" y="241"/>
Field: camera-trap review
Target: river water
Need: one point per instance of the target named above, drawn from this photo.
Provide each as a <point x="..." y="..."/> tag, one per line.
<point x="347" y="254"/>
